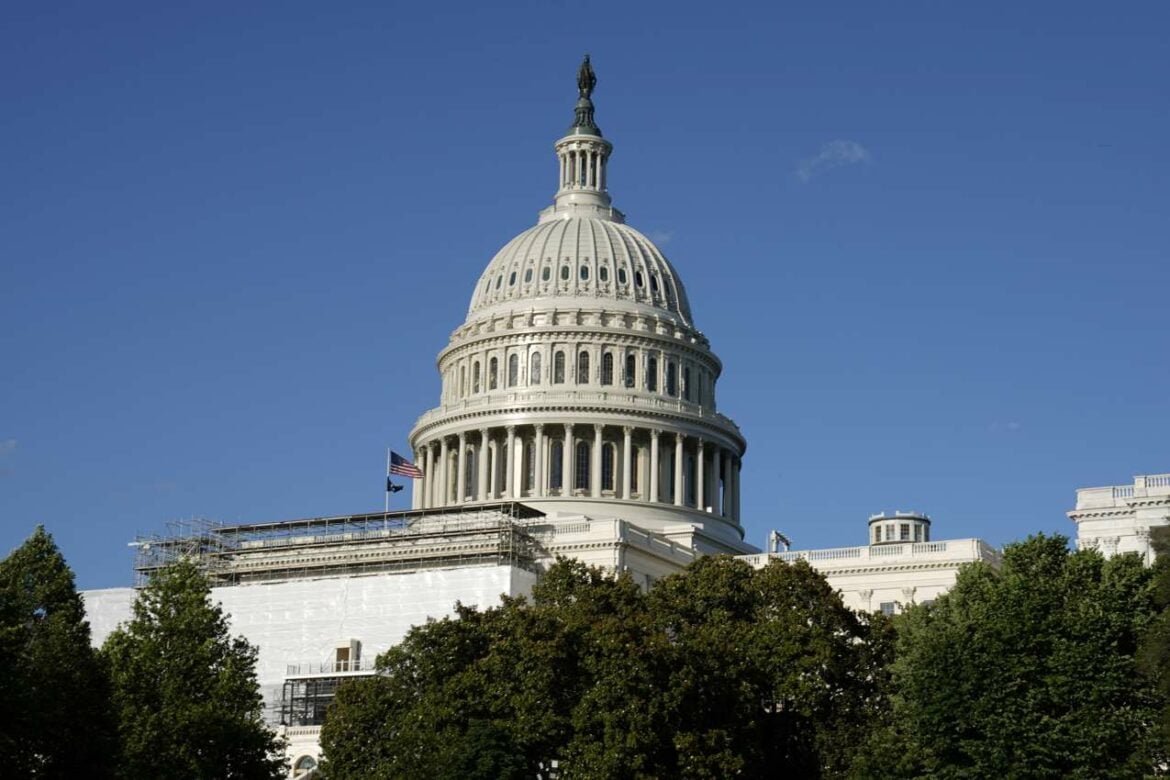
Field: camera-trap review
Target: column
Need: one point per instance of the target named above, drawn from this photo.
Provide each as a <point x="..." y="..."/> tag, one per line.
<point x="461" y="474"/>
<point x="595" y="467"/>
<point x="627" y="456"/>
<point x="538" y="453"/>
<point x="733" y="467"/>
<point x="444" y="490"/>
<point x="654" y="465"/>
<point x="429" y="478"/>
<point x="568" y="455"/>
<point x="416" y="487"/>
<point x="510" y="463"/>
<point x="679" y="482"/>
<point x="716" y="477"/>
<point x="561" y="183"/>
<point x="495" y="475"/>
<point x="481" y="466"/>
<point x="700" y="477"/>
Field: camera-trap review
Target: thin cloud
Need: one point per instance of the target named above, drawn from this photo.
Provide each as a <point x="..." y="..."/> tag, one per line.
<point x="661" y="236"/>
<point x="1011" y="426"/>
<point x="834" y="154"/>
<point x="7" y="446"/>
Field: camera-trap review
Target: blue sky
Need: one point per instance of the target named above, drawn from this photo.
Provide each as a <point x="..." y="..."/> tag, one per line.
<point x="929" y="242"/>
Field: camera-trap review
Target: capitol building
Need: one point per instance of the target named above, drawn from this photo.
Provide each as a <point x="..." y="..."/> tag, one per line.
<point x="578" y="417"/>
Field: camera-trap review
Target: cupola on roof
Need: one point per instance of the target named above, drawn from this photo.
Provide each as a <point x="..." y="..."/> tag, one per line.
<point x="581" y="253"/>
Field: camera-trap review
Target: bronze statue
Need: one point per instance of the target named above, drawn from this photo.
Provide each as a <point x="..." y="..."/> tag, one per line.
<point x="586" y="80"/>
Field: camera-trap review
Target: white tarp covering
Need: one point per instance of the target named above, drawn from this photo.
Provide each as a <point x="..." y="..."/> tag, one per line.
<point x="303" y="621"/>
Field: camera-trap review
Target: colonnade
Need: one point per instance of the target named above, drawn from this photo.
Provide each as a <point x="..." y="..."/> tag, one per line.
<point x="630" y="463"/>
<point x="583" y="168"/>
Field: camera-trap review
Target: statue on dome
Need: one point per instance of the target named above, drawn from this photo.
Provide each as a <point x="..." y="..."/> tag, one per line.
<point x="586" y="79"/>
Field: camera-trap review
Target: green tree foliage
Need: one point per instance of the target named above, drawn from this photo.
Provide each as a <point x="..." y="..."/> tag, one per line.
<point x="719" y="671"/>
<point x="184" y="691"/>
<point x="55" y="722"/>
<point x="1154" y="654"/>
<point x="1028" y="672"/>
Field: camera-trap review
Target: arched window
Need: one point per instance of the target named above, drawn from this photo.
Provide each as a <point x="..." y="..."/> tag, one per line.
<point x="584" y="273"/>
<point x="529" y="465"/>
<point x="687" y="383"/>
<point x="607" y="368"/>
<point x="527" y="275"/>
<point x="631" y="369"/>
<point x="545" y="274"/>
<point x="633" y="469"/>
<point x="534" y="369"/>
<point x="607" y="464"/>
<point x="581" y="465"/>
<point x="556" y="471"/>
<point x="462" y="380"/>
<point x="475" y="377"/>
<point x="511" y="278"/>
<point x="671" y="379"/>
<point x="603" y="273"/>
<point x="559" y="368"/>
<point x="652" y="374"/>
<point x="621" y="276"/>
<point x="582" y="367"/>
<point x="493" y="373"/>
<point x="513" y="370"/>
<point x="565" y="273"/>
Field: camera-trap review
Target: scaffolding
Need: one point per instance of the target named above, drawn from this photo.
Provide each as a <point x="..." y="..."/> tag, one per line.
<point x="376" y="542"/>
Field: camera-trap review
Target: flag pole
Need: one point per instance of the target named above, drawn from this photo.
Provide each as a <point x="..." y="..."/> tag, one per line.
<point x="387" y="480"/>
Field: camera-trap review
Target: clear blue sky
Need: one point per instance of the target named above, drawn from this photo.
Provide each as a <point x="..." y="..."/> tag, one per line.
<point x="928" y="240"/>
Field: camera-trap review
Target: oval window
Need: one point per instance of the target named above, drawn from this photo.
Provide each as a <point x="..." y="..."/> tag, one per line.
<point x="584" y="272"/>
<point x="622" y="275"/>
<point x="654" y="283"/>
<point x="603" y="273"/>
<point x="512" y="279"/>
<point x="638" y="278"/>
<point x="528" y="276"/>
<point x="565" y="272"/>
<point x="499" y="281"/>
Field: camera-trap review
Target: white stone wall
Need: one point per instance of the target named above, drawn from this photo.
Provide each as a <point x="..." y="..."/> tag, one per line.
<point x="1117" y="519"/>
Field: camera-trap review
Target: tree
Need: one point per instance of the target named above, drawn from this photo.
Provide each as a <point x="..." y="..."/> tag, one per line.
<point x="718" y="671"/>
<point x="56" y="722"/>
<point x="185" y="694"/>
<point x="1026" y="672"/>
<point x="1154" y="654"/>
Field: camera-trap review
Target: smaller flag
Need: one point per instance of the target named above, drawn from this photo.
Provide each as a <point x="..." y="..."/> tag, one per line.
<point x="403" y="467"/>
<point x="391" y="487"/>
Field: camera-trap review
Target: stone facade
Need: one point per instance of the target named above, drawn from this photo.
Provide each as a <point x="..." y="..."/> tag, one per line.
<point x="1118" y="518"/>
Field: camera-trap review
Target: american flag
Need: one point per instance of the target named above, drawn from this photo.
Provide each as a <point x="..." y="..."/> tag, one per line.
<point x="403" y="467"/>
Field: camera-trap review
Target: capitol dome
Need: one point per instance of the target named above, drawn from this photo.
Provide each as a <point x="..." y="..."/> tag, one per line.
<point x="578" y="383"/>
<point x="562" y="260"/>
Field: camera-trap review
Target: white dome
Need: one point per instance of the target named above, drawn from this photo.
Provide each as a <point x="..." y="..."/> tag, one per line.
<point x="581" y="261"/>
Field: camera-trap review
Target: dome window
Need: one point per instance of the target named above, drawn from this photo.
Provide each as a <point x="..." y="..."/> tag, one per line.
<point x="638" y="281"/>
<point x="559" y="368"/>
<point x="583" y="368"/>
<point x="528" y="276"/>
<point x="671" y="379"/>
<point x="513" y="370"/>
<point x="499" y="281"/>
<point x="654" y="283"/>
<point x="621" y="276"/>
<point x="512" y="279"/>
<point x="534" y="369"/>
<point x="565" y="272"/>
<point x="475" y="377"/>
<point x="603" y="273"/>
<point x="493" y="373"/>
<point x="584" y="273"/>
<point x="607" y="368"/>
<point x="631" y="369"/>
<point x="546" y="274"/>
<point x="581" y="466"/>
<point x="652" y="374"/>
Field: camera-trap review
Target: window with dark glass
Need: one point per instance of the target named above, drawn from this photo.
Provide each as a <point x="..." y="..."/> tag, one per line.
<point x="556" y="470"/>
<point x="652" y="374"/>
<point x="671" y="379"/>
<point x="905" y="529"/>
<point x="621" y="276"/>
<point x="888" y="607"/>
<point x="565" y="272"/>
<point x="686" y="383"/>
<point x="581" y="466"/>
<point x="493" y="373"/>
<point x="607" y="464"/>
<point x="631" y="369"/>
<point x="603" y="273"/>
<point x="475" y="377"/>
<point x="633" y="469"/>
<point x="546" y="274"/>
<point x="529" y="465"/>
<point x="558" y="368"/>
<point x="607" y="368"/>
<point x="527" y="275"/>
<point x="582" y="367"/>
<point x="513" y="370"/>
<point x="534" y="369"/>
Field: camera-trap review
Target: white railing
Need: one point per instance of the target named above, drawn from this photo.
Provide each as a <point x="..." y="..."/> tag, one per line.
<point x="615" y="399"/>
<point x="951" y="549"/>
<point x="330" y="667"/>
<point x="1123" y="491"/>
<point x="1158" y="480"/>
